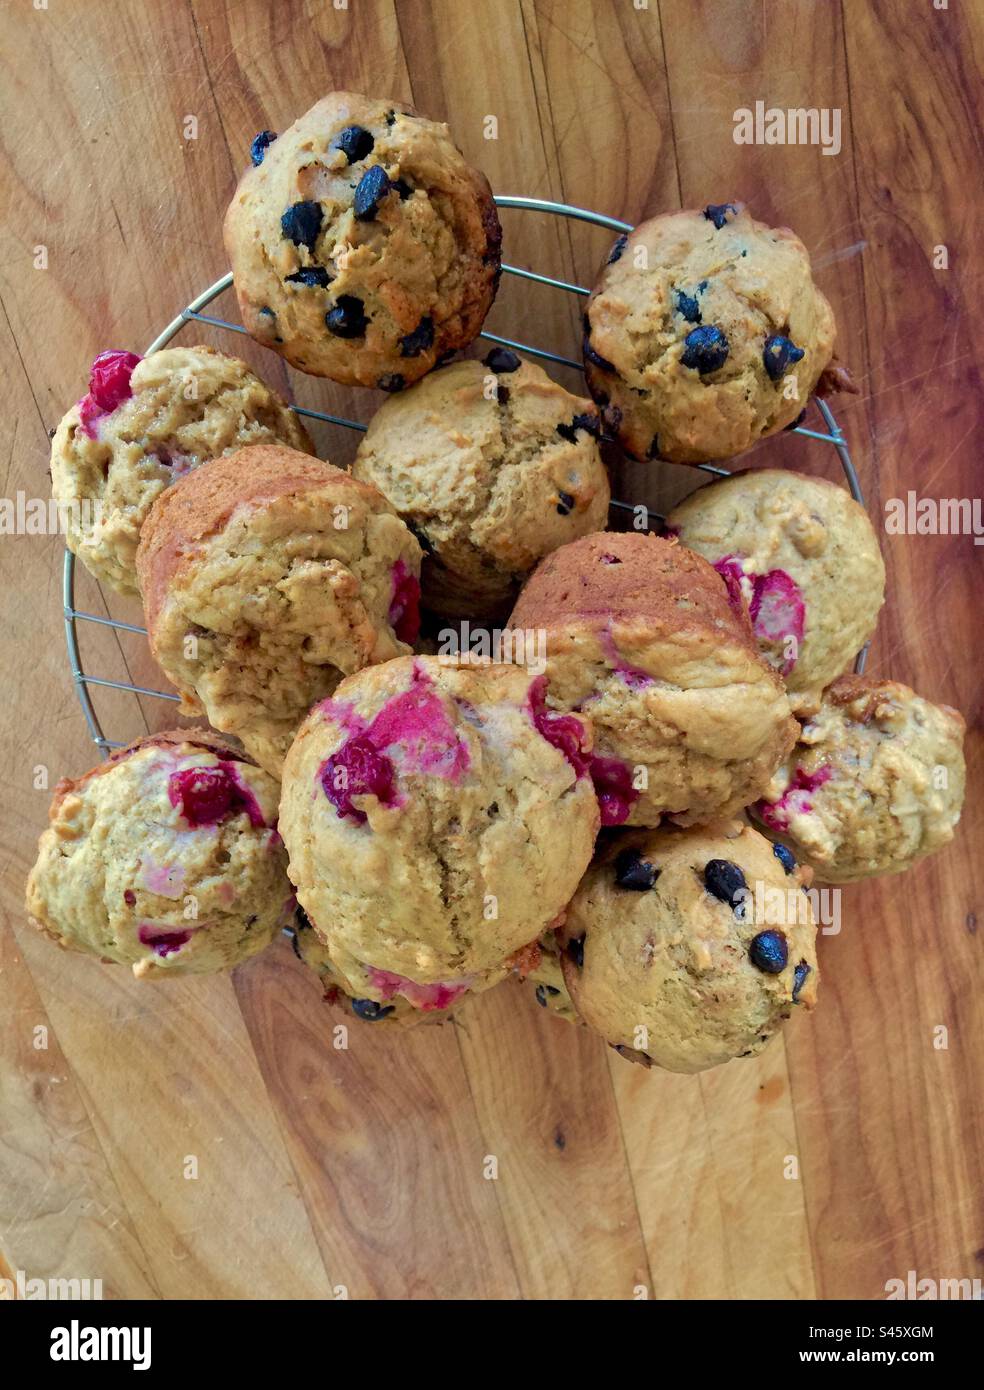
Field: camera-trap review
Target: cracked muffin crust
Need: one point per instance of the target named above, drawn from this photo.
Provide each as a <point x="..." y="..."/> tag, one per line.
<point x="364" y="248"/>
<point x="875" y="781"/>
<point x="144" y="423"/>
<point x="266" y="577"/>
<point x="492" y="466"/>
<point x="688" y="719"/>
<point x="804" y="557"/>
<point x="166" y="858"/>
<point x="704" y="333"/>
<point x="433" y="821"/>
<point x="687" y="948"/>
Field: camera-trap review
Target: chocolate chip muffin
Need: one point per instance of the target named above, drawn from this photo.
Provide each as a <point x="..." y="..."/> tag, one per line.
<point x="266" y="577"/>
<point x="144" y="422"/>
<point x="165" y="858"/>
<point x="686" y="948"/>
<point x="492" y="466"/>
<point x="363" y="247"/>
<point x="704" y="333"/>
<point x="804" y="557"/>
<point x="434" y="822"/>
<point x="875" y="781"/>
<point x="376" y="997"/>
<point x="688" y="718"/>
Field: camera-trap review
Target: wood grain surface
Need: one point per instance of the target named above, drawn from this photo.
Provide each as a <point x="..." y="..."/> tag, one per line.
<point x="851" y="1151"/>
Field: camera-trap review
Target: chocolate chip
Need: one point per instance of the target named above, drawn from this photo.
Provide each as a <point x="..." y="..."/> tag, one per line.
<point x="346" y="318"/>
<point x="500" y="359"/>
<point x="596" y="357"/>
<point x="687" y="306"/>
<point x="419" y="340"/>
<point x="768" y="952"/>
<point x="705" y="349"/>
<point x="301" y="223"/>
<point x="634" y="872"/>
<point x="565" y="503"/>
<point x="718" y="213"/>
<point x="403" y="188"/>
<point x="501" y="393"/>
<point x="778" y="354"/>
<point x="392" y="381"/>
<point x="390" y="117"/>
<point x="354" y="142"/>
<point x="310" y="275"/>
<point x="259" y="146"/>
<point x="785" y="857"/>
<point x="542" y="991"/>
<point x="575" y="950"/>
<point x="371" y="189"/>
<point x="588" y="421"/>
<point x="799" y="978"/>
<point x="653" y="451"/>
<point x="617" y="249"/>
<point x="726" y="881"/>
<point x="370" y="1010"/>
<point x="567" y="432"/>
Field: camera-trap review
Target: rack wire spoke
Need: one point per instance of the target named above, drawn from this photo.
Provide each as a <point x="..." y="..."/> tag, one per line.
<point x="192" y="313"/>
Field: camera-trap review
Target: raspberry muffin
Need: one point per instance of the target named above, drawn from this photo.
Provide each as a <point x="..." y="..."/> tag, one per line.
<point x="144" y="422"/>
<point x="363" y="247"/>
<point x="266" y="577"/>
<point x="686" y="948"/>
<point x="704" y="334"/>
<point x="374" y="998"/>
<point x="804" y="557"/>
<point x="165" y="858"/>
<point x="688" y="718"/>
<point x="875" y="782"/>
<point x="434" y="822"/>
<point x="491" y="467"/>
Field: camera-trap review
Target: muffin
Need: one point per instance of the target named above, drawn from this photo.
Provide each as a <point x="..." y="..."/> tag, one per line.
<point x="386" y="1004"/>
<point x="145" y="422"/>
<point x="804" y="556"/>
<point x="704" y="333"/>
<point x="491" y="467"/>
<point x="543" y="972"/>
<point x="434" y="821"/>
<point x="875" y="781"/>
<point x="363" y="247"/>
<point x="266" y="577"/>
<point x="686" y="948"/>
<point x="165" y="858"/>
<point x="688" y="718"/>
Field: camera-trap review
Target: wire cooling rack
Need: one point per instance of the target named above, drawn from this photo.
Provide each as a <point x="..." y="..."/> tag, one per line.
<point x="192" y="313"/>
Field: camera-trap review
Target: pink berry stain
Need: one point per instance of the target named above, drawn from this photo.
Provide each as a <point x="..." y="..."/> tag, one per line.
<point x="208" y="795"/>
<point x="162" y="940"/>
<point x="634" y="676"/>
<point x="613" y="788"/>
<point x="404" y="609"/>
<point x="564" y="731"/>
<point x="775" y="605"/>
<point x="412" y="733"/>
<point x="109" y="387"/>
<point x="795" y="800"/>
<point x="427" y="998"/>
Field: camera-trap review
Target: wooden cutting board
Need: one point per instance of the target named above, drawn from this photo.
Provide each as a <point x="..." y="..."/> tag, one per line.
<point x="851" y="1151"/>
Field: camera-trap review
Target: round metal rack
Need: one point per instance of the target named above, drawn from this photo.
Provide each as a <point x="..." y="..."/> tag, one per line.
<point x="831" y="434"/>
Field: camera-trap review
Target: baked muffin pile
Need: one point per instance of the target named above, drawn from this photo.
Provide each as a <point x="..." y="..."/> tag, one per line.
<point x="624" y="798"/>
